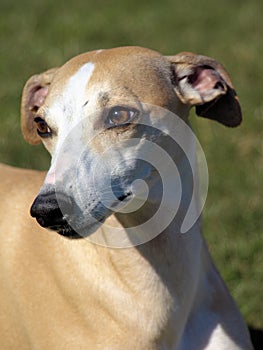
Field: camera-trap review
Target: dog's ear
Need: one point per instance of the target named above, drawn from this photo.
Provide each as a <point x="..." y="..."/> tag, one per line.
<point x="202" y="82"/>
<point x="33" y="97"/>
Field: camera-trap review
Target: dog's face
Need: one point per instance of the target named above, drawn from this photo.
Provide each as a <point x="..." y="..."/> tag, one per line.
<point x="96" y="116"/>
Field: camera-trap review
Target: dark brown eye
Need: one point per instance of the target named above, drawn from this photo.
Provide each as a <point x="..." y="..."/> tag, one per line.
<point x="43" y="129"/>
<point x="121" y="115"/>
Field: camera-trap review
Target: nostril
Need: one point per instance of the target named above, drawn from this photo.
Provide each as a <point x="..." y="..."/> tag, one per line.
<point x="43" y="205"/>
<point x="46" y="209"/>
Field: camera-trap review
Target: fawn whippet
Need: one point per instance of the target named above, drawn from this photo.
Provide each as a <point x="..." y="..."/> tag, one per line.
<point x="62" y="291"/>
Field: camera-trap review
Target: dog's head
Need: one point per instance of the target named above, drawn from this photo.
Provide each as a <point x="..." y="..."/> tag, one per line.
<point x="97" y="113"/>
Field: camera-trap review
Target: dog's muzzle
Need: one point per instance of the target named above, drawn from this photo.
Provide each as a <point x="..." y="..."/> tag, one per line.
<point x="47" y="211"/>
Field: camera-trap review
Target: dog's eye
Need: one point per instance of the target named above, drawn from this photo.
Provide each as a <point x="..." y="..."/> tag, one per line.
<point x="121" y="115"/>
<point x="43" y="129"/>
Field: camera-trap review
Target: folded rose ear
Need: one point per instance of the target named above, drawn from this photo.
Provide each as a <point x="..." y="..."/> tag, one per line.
<point x="202" y="82"/>
<point x="33" y="97"/>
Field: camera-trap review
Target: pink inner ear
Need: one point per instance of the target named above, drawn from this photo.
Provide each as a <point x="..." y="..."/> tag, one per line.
<point x="38" y="97"/>
<point x="205" y="79"/>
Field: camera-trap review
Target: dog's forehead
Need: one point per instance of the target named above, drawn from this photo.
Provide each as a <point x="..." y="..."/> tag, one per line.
<point x="125" y="60"/>
<point x="135" y="69"/>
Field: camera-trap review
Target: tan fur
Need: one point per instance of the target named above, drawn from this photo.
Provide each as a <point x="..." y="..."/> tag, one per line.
<point x="72" y="295"/>
<point x="43" y="303"/>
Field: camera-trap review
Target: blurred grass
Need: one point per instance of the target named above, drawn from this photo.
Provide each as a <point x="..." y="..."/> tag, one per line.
<point x="36" y="35"/>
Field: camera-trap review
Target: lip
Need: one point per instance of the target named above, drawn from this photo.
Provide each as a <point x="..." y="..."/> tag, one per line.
<point x="122" y="200"/>
<point x="65" y="231"/>
<point x="69" y="232"/>
<point x="125" y="196"/>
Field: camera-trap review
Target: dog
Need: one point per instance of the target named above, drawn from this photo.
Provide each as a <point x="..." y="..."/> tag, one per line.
<point x="69" y="281"/>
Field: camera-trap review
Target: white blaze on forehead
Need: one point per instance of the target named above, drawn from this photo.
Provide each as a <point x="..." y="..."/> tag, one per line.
<point x="67" y="110"/>
<point x="77" y="84"/>
<point x="67" y="105"/>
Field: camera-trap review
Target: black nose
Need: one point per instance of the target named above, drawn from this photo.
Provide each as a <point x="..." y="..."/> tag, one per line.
<point x="47" y="210"/>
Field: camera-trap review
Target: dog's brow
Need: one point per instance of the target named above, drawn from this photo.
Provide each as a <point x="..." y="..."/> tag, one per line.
<point x="104" y="99"/>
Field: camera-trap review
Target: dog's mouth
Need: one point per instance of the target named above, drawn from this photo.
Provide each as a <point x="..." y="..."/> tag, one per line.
<point x="66" y="231"/>
<point x="62" y="229"/>
<point x="59" y="216"/>
<point x="69" y="231"/>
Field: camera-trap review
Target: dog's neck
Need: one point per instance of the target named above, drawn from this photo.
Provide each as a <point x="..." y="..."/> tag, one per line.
<point x="154" y="282"/>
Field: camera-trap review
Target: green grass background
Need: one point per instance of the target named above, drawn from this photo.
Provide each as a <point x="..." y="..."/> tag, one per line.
<point x="36" y="35"/>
